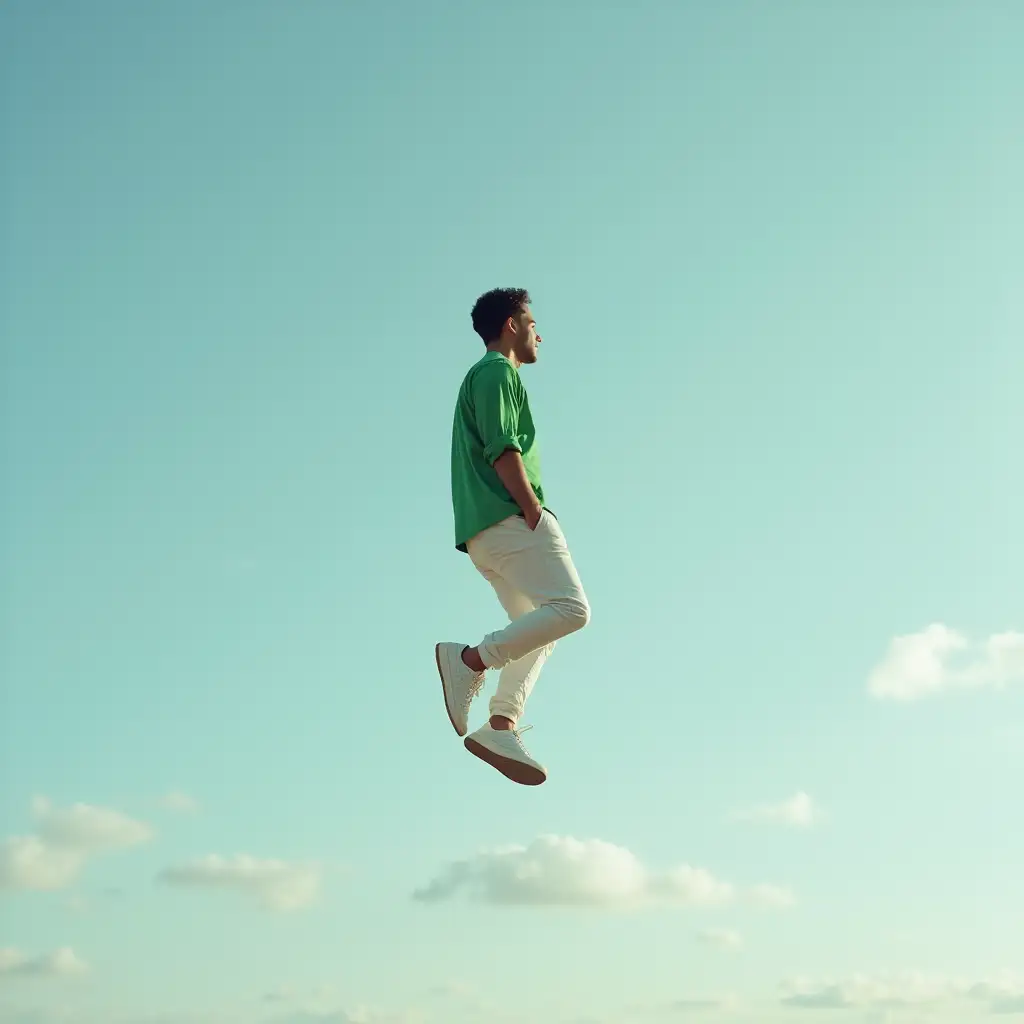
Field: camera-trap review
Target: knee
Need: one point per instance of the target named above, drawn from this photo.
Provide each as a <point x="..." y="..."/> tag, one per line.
<point x="576" y="611"/>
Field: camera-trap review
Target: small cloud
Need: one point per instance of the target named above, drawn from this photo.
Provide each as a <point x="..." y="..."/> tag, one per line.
<point x="275" y="884"/>
<point x="893" y="992"/>
<point x="798" y="811"/>
<point x="280" y="995"/>
<point x="87" y="828"/>
<point x="686" y="1008"/>
<point x="62" y="963"/>
<point x="688" y="885"/>
<point x="938" y="659"/>
<point x="562" y="871"/>
<point x="1004" y="995"/>
<point x="178" y="802"/>
<point x="885" y="994"/>
<point x="690" y="1006"/>
<point x="819" y="997"/>
<point x="64" y="839"/>
<point x="772" y="896"/>
<point x="720" y="938"/>
<point x="27" y="862"/>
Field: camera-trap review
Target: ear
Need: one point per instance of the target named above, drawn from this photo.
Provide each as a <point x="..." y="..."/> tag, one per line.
<point x="511" y="324"/>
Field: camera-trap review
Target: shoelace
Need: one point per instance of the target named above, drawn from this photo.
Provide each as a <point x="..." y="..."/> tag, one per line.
<point x="471" y="692"/>
<point x="517" y="732"/>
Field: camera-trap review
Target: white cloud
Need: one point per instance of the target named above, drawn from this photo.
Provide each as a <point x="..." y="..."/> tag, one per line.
<point x="291" y="1004"/>
<point x="284" y="994"/>
<point x="938" y="658"/>
<point x="64" y="839"/>
<point x="1004" y="994"/>
<point x="562" y="871"/>
<point x="688" y="885"/>
<point x="26" y="862"/>
<point x="276" y="884"/>
<point x="720" y="938"/>
<point x="774" y="897"/>
<point x="180" y="803"/>
<point x="87" y="828"/>
<point x="61" y="963"/>
<point x="798" y="810"/>
<point x="686" y="1008"/>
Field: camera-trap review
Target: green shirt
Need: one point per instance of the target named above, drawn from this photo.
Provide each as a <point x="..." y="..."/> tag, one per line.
<point x="492" y="415"/>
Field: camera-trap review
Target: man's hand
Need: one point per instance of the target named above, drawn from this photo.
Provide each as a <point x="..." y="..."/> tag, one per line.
<point x="510" y="469"/>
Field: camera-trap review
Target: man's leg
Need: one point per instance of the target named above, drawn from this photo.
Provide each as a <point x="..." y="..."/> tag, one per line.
<point x="518" y="677"/>
<point x="536" y="565"/>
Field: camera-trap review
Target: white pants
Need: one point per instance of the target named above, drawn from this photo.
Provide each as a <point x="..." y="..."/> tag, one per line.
<point x="533" y="575"/>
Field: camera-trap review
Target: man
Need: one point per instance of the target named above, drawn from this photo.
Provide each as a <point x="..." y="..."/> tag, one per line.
<point x="514" y="541"/>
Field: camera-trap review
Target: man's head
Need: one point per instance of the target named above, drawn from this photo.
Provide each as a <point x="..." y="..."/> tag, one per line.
<point x="503" y="319"/>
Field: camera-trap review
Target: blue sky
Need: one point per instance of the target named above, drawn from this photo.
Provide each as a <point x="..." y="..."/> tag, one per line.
<point x="776" y="253"/>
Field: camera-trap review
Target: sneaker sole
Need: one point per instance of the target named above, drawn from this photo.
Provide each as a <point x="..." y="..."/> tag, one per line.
<point x="524" y="774"/>
<point x="444" y="692"/>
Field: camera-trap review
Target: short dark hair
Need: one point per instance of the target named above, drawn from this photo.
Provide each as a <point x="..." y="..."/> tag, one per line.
<point x="494" y="308"/>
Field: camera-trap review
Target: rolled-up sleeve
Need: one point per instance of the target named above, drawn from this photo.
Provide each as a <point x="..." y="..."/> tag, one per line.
<point x="497" y="399"/>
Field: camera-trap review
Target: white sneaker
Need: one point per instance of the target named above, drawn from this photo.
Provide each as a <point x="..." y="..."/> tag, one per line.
<point x="461" y="684"/>
<point x="503" y="748"/>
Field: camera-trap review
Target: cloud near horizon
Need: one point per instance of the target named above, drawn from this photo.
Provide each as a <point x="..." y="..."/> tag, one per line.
<point x="179" y="802"/>
<point x="63" y="841"/>
<point x="61" y="963"/>
<point x="903" y="991"/>
<point x="563" y="871"/>
<point x="798" y="811"/>
<point x="323" y="1007"/>
<point x="721" y="938"/>
<point x="275" y="884"/>
<point x="772" y="897"/>
<point x="938" y="659"/>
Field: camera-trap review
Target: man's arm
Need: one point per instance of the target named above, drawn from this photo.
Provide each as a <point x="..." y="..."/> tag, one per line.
<point x="510" y="468"/>
<point x="498" y="399"/>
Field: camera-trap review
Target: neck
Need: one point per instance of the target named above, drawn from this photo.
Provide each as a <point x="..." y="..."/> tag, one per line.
<point x="505" y="348"/>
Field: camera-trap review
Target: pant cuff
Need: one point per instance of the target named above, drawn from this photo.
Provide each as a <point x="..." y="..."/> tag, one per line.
<point x="487" y="656"/>
<point x="505" y="711"/>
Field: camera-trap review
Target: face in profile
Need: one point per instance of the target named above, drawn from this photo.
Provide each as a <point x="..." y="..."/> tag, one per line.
<point x="527" y="338"/>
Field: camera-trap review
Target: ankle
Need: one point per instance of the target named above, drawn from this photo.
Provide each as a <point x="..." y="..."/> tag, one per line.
<point x="501" y="724"/>
<point x="471" y="659"/>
